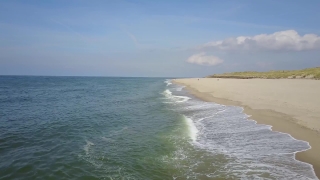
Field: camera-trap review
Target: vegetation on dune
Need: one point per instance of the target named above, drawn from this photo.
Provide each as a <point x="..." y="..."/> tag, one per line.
<point x="310" y="73"/>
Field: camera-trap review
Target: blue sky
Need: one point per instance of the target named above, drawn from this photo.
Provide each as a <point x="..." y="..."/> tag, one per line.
<point x="177" y="38"/>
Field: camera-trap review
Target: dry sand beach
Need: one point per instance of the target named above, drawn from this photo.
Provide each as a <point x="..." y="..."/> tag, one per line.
<point x="289" y="105"/>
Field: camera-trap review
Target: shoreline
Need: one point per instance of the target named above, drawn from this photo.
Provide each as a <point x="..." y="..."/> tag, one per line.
<point x="280" y="122"/>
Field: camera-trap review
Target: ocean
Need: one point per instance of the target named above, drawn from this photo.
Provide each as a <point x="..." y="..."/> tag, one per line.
<point x="133" y="128"/>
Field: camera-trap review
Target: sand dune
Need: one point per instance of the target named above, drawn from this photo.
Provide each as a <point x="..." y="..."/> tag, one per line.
<point x="289" y="105"/>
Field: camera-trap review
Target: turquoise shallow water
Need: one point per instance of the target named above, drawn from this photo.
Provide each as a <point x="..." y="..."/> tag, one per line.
<point x="132" y="128"/>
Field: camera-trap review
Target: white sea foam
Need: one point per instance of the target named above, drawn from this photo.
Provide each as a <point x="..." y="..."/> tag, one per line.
<point x="180" y="88"/>
<point x="191" y="128"/>
<point x="87" y="146"/>
<point x="168" y="92"/>
<point x="90" y="155"/>
<point x="253" y="149"/>
<point x="175" y="99"/>
<point x="168" y="82"/>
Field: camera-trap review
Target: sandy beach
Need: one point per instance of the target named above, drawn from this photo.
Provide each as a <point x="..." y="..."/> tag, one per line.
<point x="289" y="105"/>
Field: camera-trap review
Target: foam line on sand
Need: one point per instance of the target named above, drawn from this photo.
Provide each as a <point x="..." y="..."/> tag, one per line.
<point x="289" y="105"/>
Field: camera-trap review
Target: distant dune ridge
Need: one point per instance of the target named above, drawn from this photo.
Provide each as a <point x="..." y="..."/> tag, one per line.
<point x="309" y="73"/>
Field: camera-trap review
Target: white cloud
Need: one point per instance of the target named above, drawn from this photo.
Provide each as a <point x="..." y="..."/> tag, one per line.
<point x="288" y="40"/>
<point x="202" y="59"/>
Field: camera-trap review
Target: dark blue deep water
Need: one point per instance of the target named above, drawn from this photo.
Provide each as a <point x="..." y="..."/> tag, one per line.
<point x="132" y="128"/>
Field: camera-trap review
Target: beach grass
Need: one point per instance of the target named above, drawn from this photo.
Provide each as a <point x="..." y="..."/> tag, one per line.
<point x="309" y="73"/>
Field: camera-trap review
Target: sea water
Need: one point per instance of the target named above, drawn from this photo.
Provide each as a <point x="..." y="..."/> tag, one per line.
<point x="133" y="128"/>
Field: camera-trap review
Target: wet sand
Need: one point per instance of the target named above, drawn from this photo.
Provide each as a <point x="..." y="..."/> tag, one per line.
<point x="289" y="105"/>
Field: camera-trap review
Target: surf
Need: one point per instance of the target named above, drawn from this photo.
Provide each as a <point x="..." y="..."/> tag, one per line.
<point x="251" y="148"/>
